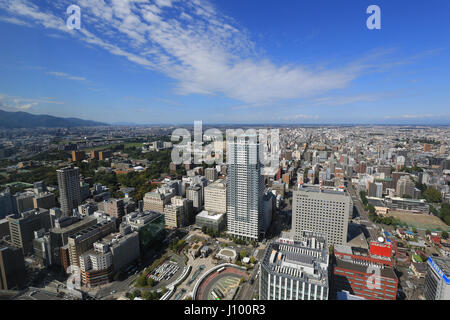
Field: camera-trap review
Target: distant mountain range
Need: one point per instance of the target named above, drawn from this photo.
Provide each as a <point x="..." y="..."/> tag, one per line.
<point x="27" y="120"/>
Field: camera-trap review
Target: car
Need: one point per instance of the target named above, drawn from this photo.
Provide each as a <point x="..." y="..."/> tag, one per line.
<point x="114" y="291"/>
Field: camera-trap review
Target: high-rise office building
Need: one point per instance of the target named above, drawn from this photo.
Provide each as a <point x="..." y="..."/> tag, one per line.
<point x="39" y="187"/>
<point x="174" y="215"/>
<point x="44" y="200"/>
<point x="64" y="228"/>
<point x="437" y="279"/>
<point x="295" y="270"/>
<point x="7" y="204"/>
<point x="22" y="227"/>
<point x="158" y="199"/>
<point x="325" y="211"/>
<point x="69" y="189"/>
<point x="12" y="267"/>
<point x="216" y="197"/>
<point x="78" y="155"/>
<point x="245" y="188"/>
<point x="24" y="201"/>
<point x="375" y="189"/>
<point x="211" y="174"/>
<point x="194" y="193"/>
<point x="115" y="208"/>
<point x="405" y="187"/>
<point x="83" y="241"/>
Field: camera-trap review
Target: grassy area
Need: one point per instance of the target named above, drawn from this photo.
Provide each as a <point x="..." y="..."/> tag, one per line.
<point x="420" y="221"/>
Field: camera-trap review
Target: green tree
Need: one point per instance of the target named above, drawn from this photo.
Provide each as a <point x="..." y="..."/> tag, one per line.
<point x="427" y="232"/>
<point x="154" y="295"/>
<point x="444" y="235"/>
<point x="432" y="195"/>
<point x="363" y="197"/>
<point x="137" y="293"/>
<point x="150" y="282"/>
<point x="243" y="254"/>
<point x="142" y="281"/>
<point x="305" y="175"/>
<point x="444" y="213"/>
<point x="146" y="295"/>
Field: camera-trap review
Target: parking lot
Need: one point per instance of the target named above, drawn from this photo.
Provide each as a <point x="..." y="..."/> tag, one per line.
<point x="165" y="271"/>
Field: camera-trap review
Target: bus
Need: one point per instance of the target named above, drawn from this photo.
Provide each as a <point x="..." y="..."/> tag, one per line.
<point x="218" y="293"/>
<point x="215" y="295"/>
<point x="220" y="270"/>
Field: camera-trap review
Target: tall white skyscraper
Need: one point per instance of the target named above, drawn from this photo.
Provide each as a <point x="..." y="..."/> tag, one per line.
<point x="245" y="188"/>
<point x="69" y="189"/>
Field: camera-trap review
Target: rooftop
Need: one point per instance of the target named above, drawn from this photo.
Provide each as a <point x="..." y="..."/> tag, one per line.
<point x="210" y="215"/>
<point x="326" y="190"/>
<point x="386" y="272"/>
<point x="307" y="259"/>
<point x="141" y="218"/>
<point x="443" y="264"/>
<point x="218" y="184"/>
<point x="73" y="225"/>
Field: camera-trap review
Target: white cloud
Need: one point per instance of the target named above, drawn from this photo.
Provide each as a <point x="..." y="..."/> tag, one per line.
<point x="164" y="3"/>
<point x="295" y="117"/>
<point x="205" y="52"/>
<point x="14" y="21"/>
<point x="27" y="106"/>
<point x="345" y="100"/>
<point x="412" y="116"/>
<point x="66" y="76"/>
<point x="14" y="103"/>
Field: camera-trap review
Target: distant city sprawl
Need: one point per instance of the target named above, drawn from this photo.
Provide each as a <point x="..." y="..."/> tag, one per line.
<point x="337" y="212"/>
<point x="179" y="153"/>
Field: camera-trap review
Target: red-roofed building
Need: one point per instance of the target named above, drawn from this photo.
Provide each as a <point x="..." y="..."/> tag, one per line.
<point x="354" y="272"/>
<point x="380" y="249"/>
<point x="435" y="238"/>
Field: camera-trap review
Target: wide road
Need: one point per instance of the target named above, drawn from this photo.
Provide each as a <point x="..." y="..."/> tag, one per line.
<point x="363" y="215"/>
<point x="104" y="293"/>
<point x="247" y="290"/>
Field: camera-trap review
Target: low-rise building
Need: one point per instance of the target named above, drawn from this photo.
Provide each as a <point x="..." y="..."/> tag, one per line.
<point x="211" y="220"/>
<point x="368" y="274"/>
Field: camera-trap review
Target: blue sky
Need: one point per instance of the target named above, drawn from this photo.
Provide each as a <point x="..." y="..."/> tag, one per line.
<point x="228" y="61"/>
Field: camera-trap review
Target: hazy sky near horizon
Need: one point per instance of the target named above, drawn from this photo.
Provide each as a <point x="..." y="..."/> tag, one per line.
<point x="228" y="61"/>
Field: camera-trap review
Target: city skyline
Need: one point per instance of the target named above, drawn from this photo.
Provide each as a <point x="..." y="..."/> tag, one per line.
<point x="171" y="62"/>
